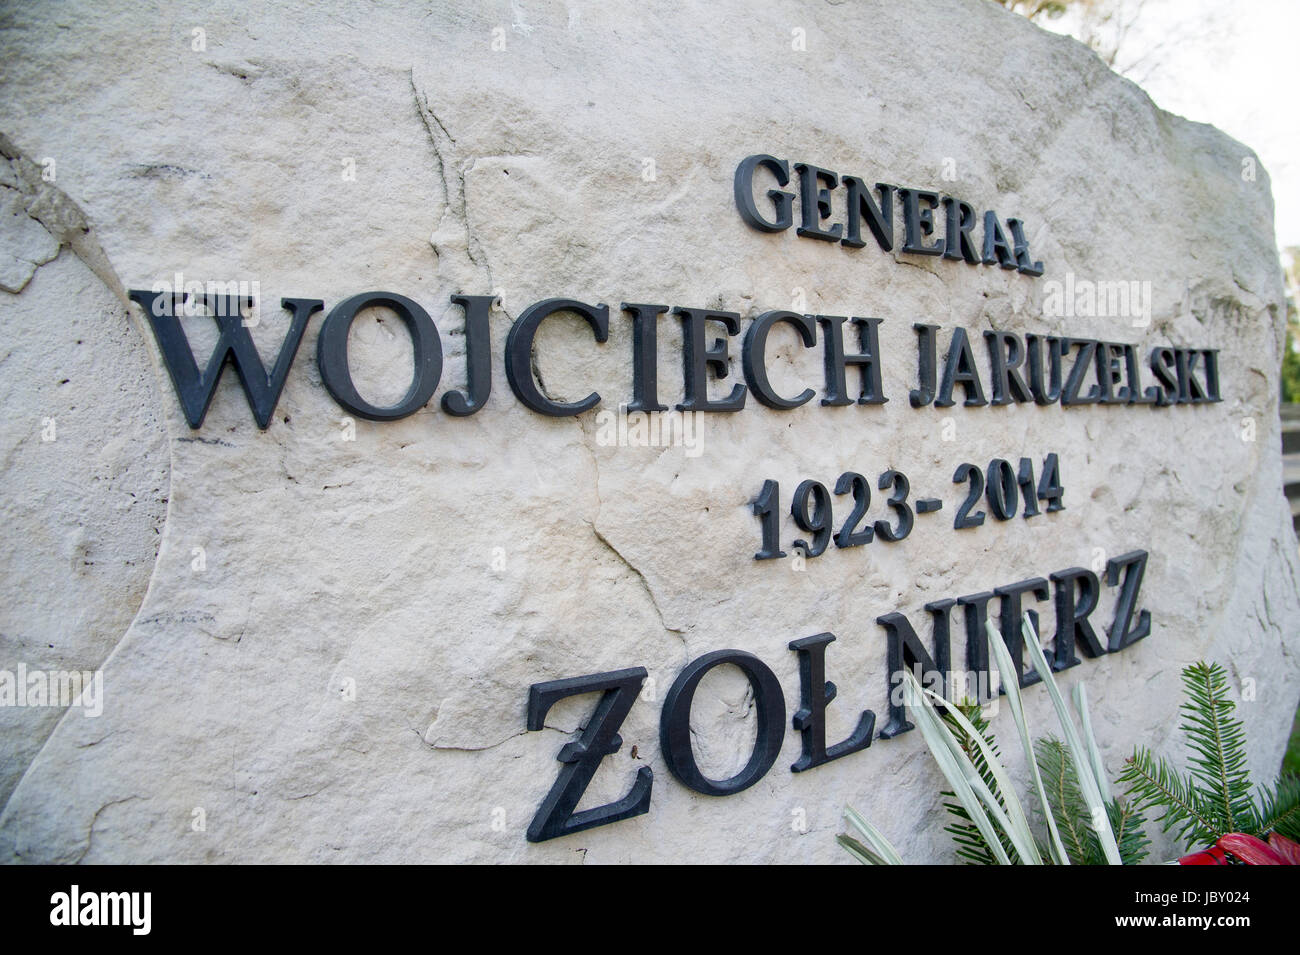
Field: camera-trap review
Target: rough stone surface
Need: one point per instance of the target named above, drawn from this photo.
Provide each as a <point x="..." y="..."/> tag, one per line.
<point x="434" y="568"/>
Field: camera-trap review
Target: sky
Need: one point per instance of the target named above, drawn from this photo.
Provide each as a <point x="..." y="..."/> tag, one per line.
<point x="1232" y="63"/>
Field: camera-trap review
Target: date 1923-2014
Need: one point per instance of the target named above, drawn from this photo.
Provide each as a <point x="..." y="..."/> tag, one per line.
<point x="1002" y="486"/>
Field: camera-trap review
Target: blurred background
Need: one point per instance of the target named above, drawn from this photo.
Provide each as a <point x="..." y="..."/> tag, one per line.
<point x="1231" y="63"/>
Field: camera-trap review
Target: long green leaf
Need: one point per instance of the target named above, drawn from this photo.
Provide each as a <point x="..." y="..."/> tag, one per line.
<point x="1015" y="812"/>
<point x="1087" y="779"/>
<point x="1010" y="680"/>
<point x="876" y="843"/>
<point x="958" y="769"/>
<point x="1094" y="754"/>
<point x="859" y="851"/>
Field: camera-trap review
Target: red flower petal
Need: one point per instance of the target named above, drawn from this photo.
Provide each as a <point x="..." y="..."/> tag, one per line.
<point x="1250" y="850"/>
<point x="1211" y="856"/>
<point x="1288" y="850"/>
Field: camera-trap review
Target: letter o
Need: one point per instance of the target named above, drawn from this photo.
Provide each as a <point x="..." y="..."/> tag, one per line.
<point x="675" y="723"/>
<point x="332" y="355"/>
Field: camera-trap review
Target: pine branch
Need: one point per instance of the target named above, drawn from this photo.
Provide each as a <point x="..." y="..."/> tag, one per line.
<point x="1126" y="820"/>
<point x="1218" y="743"/>
<point x="1153" y="782"/>
<point x="1067" y="804"/>
<point x="970" y="843"/>
<point x="1280" y="808"/>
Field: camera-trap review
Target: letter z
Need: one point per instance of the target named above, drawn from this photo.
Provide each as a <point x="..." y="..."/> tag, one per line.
<point x="581" y="758"/>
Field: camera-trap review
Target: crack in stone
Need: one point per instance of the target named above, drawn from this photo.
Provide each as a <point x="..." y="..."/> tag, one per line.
<point x="315" y="792"/>
<point x="90" y="833"/>
<point x="453" y="192"/>
<point x="61" y="217"/>
<point x="443" y="144"/>
<point x="641" y="577"/>
<point x="595" y="466"/>
<point x="501" y="742"/>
